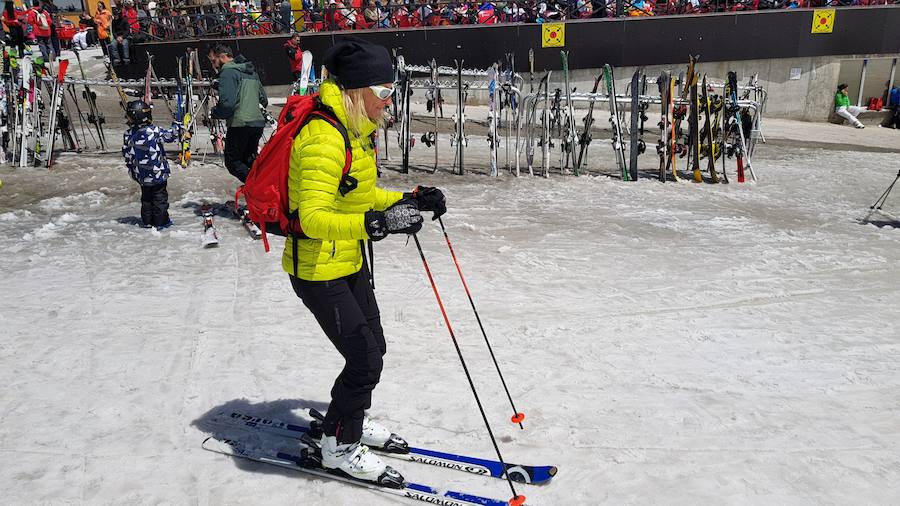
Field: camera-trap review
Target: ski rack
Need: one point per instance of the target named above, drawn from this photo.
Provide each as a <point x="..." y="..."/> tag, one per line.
<point x="34" y="127"/>
<point x="531" y="102"/>
<point x="124" y="83"/>
<point x="504" y="83"/>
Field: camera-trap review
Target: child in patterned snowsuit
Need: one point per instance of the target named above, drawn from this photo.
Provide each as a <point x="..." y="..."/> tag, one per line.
<point x="145" y="157"/>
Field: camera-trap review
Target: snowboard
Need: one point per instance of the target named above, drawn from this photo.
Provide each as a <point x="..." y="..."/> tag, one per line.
<point x="634" y="138"/>
<point x="663" y="83"/>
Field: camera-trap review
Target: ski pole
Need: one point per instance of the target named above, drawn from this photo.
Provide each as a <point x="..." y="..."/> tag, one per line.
<point x="883" y="198"/>
<point x="517" y="500"/>
<point x="518" y="417"/>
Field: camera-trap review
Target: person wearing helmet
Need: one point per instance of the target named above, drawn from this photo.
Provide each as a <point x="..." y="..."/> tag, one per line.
<point x="145" y="157"/>
<point x="327" y="267"/>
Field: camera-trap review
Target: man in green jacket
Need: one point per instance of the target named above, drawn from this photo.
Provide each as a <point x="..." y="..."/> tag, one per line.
<point x="240" y="96"/>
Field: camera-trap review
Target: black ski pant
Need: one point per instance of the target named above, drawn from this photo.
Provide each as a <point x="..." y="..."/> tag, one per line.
<point x="241" y="148"/>
<point x="346" y="310"/>
<point x="154" y="205"/>
<point x="46" y="49"/>
<point x="54" y="42"/>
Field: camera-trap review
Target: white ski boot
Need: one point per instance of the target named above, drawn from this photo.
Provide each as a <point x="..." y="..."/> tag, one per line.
<point x="356" y="461"/>
<point x="377" y="436"/>
<point x="374" y="434"/>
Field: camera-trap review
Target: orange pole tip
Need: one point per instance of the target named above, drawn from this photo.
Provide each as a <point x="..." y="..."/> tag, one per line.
<point x="518" y="500"/>
<point x="518" y="418"/>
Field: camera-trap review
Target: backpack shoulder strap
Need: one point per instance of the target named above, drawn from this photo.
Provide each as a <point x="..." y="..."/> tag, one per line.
<point x="324" y="112"/>
<point x="348" y="183"/>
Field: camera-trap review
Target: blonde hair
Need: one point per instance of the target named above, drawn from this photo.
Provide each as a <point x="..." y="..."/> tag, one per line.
<point x="355" y="106"/>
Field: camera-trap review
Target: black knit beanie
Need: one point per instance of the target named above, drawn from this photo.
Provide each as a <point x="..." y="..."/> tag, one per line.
<point x="355" y="63"/>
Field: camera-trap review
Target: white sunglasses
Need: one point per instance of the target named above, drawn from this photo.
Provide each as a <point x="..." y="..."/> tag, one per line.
<point x="382" y="92"/>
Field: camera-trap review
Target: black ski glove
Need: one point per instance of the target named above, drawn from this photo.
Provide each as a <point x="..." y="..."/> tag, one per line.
<point x="429" y="198"/>
<point x="401" y="218"/>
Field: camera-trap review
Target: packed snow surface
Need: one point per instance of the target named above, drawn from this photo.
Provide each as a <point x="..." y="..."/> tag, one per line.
<point x="669" y="343"/>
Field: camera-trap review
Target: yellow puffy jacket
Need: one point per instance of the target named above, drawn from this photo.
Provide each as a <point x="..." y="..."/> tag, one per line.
<point x="333" y="223"/>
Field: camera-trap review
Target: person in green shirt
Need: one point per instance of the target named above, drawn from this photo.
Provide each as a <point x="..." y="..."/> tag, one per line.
<point x="843" y="108"/>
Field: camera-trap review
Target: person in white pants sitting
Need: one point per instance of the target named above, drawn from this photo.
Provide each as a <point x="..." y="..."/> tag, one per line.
<point x="80" y="39"/>
<point x="843" y="108"/>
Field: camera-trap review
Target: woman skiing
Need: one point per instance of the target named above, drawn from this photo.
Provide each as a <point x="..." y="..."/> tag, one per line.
<point x="338" y="212"/>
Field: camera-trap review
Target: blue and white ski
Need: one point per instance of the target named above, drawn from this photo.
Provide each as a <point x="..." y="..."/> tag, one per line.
<point x="305" y="464"/>
<point x="484" y="467"/>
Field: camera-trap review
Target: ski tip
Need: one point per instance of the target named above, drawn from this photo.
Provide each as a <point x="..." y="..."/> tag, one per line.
<point x="518" y="500"/>
<point x="552" y="471"/>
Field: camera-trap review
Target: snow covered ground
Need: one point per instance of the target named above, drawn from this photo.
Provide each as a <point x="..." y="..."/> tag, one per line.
<point x="670" y="344"/>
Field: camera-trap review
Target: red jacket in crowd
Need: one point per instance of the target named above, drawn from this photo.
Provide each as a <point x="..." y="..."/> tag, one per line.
<point x="131" y="15"/>
<point x="40" y="22"/>
<point x="295" y="55"/>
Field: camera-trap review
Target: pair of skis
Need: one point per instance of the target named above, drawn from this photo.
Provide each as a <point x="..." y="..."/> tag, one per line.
<point x="435" y="104"/>
<point x="301" y="455"/>
<point x="30" y="128"/>
<point x="402" y="100"/>
<point x="568" y="141"/>
<point x="493" y="118"/>
<point x="459" y="138"/>
<point x="59" y="117"/>
<point x="618" y="140"/>
<point x="186" y="105"/>
<point x="307" y="74"/>
<point x="210" y="235"/>
<point x="734" y="130"/>
<point x="94" y="116"/>
<point x="707" y="136"/>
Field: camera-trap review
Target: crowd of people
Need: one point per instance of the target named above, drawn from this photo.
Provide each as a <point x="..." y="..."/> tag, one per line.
<point x="141" y="20"/>
<point x="34" y="24"/>
<point x="134" y="21"/>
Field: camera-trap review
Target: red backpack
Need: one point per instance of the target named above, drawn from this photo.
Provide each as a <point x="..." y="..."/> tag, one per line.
<point x="266" y="187"/>
<point x="875" y="104"/>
